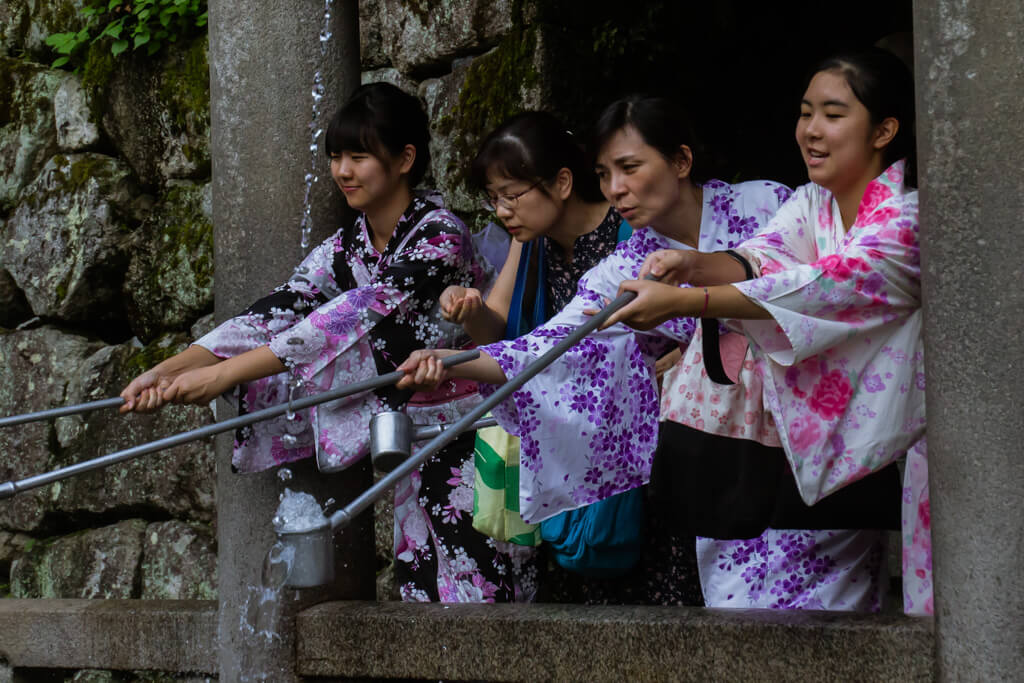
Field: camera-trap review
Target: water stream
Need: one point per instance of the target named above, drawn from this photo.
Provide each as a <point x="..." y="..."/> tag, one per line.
<point x="315" y="128"/>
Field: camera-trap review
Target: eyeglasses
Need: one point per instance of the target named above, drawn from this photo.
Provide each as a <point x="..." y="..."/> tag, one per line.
<point x="508" y="201"/>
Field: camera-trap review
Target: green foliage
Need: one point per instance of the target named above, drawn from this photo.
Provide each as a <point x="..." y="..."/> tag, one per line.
<point x="128" y="24"/>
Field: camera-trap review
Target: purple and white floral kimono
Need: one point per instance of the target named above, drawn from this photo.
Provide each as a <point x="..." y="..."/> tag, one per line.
<point x="589" y="421"/>
<point x="350" y="313"/>
<point x="842" y="362"/>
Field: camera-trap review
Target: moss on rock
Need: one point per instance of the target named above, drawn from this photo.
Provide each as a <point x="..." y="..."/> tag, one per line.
<point x="185" y="84"/>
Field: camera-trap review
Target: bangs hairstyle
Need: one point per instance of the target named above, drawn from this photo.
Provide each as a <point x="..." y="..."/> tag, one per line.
<point x="662" y="123"/>
<point x="883" y="84"/>
<point x="534" y="146"/>
<point x="381" y="119"/>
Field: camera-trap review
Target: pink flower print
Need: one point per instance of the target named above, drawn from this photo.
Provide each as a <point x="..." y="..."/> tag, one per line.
<point x="924" y="514"/>
<point x="875" y="193"/>
<point x="769" y="266"/>
<point x="831" y="395"/>
<point x="881" y="216"/>
<point x="895" y="173"/>
<point x="485" y="587"/>
<point x="907" y="237"/>
<point x="841" y="269"/>
<point x="804" y="432"/>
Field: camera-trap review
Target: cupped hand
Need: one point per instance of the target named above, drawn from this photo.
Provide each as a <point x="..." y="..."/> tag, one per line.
<point x="198" y="386"/>
<point x="459" y="304"/>
<point x="424" y="371"/>
<point x="670" y="266"/>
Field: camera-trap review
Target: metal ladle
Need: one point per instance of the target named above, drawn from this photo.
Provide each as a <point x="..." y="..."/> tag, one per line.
<point x="392" y="434"/>
<point x="391" y="437"/>
<point x="303" y="540"/>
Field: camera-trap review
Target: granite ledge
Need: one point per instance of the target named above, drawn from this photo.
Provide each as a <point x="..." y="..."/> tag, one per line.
<point x="162" y="635"/>
<point x="575" y="642"/>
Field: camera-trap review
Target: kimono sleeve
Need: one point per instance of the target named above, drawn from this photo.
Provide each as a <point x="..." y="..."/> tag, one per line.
<point x="872" y="283"/>
<point x="399" y="296"/>
<point x="312" y="284"/>
<point x="588" y="422"/>
<point x="787" y="240"/>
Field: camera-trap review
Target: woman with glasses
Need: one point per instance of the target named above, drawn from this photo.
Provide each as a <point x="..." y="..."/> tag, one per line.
<point x="589" y="422"/>
<point x="533" y="175"/>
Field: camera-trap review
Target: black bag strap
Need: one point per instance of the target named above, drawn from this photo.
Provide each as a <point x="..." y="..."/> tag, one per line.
<point x="709" y="326"/>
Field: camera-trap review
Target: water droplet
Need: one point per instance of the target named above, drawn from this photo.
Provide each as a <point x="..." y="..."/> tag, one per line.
<point x="284" y="474"/>
<point x="289" y="441"/>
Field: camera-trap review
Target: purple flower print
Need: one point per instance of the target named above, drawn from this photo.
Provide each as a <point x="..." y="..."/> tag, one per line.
<point x="874" y="383"/>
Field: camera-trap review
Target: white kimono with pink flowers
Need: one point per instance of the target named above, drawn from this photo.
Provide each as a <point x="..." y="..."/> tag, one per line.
<point x="842" y="358"/>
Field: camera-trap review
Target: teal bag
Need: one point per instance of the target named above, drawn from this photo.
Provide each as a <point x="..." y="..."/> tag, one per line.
<point x="603" y="539"/>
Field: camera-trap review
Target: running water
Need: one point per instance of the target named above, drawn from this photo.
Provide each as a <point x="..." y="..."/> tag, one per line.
<point x="264" y="609"/>
<point x="260" y="618"/>
<point x="315" y="128"/>
<point x="298" y="512"/>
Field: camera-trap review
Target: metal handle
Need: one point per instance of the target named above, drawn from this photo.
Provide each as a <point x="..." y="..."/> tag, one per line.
<point x="425" y="432"/>
<point x="12" y="488"/>
<point x="10" y="421"/>
<point x="346" y="515"/>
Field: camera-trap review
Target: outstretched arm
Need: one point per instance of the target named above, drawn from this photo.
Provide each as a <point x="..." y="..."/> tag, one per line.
<point x="424" y="371"/>
<point x="656" y="302"/>
<point x="698" y="268"/>
<point x="143" y="394"/>
<point x="202" y="385"/>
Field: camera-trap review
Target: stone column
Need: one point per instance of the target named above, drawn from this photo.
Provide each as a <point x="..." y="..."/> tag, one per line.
<point x="263" y="57"/>
<point x="970" y="99"/>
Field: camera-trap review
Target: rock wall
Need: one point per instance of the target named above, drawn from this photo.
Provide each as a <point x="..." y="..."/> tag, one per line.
<point x="106" y="248"/>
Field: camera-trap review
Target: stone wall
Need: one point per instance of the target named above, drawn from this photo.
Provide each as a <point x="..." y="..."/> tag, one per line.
<point x="105" y="268"/>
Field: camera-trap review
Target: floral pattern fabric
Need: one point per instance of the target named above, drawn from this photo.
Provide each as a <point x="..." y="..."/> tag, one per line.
<point x="350" y="313"/>
<point x="439" y="556"/>
<point x="588" y="422"/>
<point x="794" y="569"/>
<point x="842" y="359"/>
<point x="587" y="251"/>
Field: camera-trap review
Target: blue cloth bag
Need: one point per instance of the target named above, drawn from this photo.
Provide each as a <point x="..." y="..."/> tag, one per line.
<point x="603" y="539"/>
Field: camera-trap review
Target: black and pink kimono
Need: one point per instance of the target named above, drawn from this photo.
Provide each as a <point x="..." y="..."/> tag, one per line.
<point x="350" y="313"/>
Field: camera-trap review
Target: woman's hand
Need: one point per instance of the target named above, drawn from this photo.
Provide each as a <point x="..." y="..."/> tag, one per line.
<point x="199" y="386"/>
<point x="670" y="266"/>
<point x="654" y="304"/>
<point x="143" y="394"/>
<point x="459" y="304"/>
<point x="424" y="371"/>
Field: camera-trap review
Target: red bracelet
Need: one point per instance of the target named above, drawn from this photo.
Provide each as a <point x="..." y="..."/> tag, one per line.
<point x="707" y="298"/>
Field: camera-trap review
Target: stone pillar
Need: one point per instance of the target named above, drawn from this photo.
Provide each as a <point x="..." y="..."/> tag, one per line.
<point x="263" y="57"/>
<point x="970" y="99"/>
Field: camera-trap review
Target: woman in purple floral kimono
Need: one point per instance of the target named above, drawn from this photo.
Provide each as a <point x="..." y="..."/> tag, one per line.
<point x="359" y="303"/>
<point x="588" y="423"/>
<point x="834" y="325"/>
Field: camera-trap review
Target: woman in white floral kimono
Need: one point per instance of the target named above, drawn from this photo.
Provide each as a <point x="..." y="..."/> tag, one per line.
<point x="359" y="303"/>
<point x="834" y="326"/>
<point x="588" y="423"/>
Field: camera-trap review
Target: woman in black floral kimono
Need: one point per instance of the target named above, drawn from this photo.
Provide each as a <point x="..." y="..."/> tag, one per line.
<point x="354" y="308"/>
